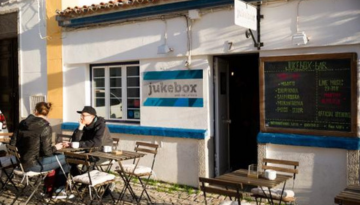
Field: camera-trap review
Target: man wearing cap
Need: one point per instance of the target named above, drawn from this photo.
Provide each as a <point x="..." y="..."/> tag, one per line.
<point x="92" y="131"/>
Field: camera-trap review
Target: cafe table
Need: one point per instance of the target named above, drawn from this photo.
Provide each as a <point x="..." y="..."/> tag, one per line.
<point x="5" y="137"/>
<point x="119" y="157"/>
<point x="350" y="196"/>
<point x="241" y="176"/>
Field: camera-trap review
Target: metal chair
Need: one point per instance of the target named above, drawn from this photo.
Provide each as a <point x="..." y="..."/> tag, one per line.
<point x="135" y="170"/>
<point x="284" y="167"/>
<point x="215" y="186"/>
<point x="96" y="181"/>
<point x="7" y="165"/>
<point x="32" y="179"/>
<point x="106" y="165"/>
<point x="63" y="137"/>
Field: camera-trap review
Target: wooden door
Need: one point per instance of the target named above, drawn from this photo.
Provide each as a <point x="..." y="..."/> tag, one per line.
<point x="222" y="120"/>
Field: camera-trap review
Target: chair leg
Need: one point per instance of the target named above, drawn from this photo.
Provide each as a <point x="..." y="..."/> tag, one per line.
<point x="36" y="187"/>
<point x="144" y="190"/>
<point x="127" y="186"/>
<point x="9" y="178"/>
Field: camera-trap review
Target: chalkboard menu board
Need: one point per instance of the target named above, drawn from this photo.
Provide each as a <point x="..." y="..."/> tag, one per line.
<point x="309" y="94"/>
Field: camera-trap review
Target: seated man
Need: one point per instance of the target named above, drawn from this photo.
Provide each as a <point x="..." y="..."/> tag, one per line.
<point x="92" y="131"/>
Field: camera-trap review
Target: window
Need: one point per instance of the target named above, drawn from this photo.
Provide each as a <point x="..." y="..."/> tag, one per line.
<point x="116" y="91"/>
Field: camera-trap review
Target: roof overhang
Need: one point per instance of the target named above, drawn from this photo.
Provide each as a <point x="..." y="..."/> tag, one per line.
<point x="122" y="15"/>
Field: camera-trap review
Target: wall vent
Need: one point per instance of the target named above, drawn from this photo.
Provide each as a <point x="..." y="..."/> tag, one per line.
<point x="34" y="99"/>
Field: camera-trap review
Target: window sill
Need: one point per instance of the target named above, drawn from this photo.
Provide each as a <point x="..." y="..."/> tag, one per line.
<point x="146" y="130"/>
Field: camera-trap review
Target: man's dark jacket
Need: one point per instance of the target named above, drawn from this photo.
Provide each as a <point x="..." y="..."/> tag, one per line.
<point x="94" y="135"/>
<point x="33" y="140"/>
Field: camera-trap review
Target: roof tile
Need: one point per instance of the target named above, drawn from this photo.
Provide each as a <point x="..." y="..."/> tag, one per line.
<point x="106" y="6"/>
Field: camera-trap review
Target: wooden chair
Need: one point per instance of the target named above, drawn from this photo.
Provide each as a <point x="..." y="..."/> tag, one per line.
<point x="137" y="171"/>
<point x="215" y="186"/>
<point x="106" y="166"/>
<point x="285" y="167"/>
<point x="32" y="179"/>
<point x="96" y="181"/>
<point x="63" y="137"/>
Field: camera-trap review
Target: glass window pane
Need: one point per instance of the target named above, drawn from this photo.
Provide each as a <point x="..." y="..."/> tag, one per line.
<point x="100" y="106"/>
<point x="133" y="114"/>
<point x="115" y="108"/>
<point x="100" y="93"/>
<point x="115" y="72"/>
<point x="99" y="102"/>
<point x="133" y="103"/>
<point x="133" y="82"/>
<point x="133" y="92"/>
<point x="132" y="71"/>
<point x="99" y="72"/>
<point x="115" y="93"/>
<point x="99" y="82"/>
<point x="115" y="82"/>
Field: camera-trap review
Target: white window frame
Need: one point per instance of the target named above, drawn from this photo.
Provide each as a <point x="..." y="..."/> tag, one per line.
<point x="124" y="87"/>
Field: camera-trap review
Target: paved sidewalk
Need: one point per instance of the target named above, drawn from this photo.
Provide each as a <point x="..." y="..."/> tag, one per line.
<point x="161" y="193"/>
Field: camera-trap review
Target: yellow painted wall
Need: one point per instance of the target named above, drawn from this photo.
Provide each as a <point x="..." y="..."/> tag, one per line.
<point x="54" y="60"/>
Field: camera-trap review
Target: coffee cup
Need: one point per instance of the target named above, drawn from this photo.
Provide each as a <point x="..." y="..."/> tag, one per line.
<point x="270" y="174"/>
<point x="75" y="144"/>
<point x="107" y="148"/>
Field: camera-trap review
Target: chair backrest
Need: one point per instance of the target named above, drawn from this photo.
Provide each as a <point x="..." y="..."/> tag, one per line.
<point x="77" y="158"/>
<point x="215" y="186"/>
<point x="116" y="142"/>
<point x="284" y="166"/>
<point x="12" y="150"/>
<point x="63" y="137"/>
<point x="7" y="134"/>
<point x="147" y="148"/>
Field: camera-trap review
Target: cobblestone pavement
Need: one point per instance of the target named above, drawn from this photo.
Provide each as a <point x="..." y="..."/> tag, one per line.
<point x="161" y="193"/>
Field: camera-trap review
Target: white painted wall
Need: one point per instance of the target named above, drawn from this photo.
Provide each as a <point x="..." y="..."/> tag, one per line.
<point x="332" y="26"/>
<point x="326" y="22"/>
<point x="322" y="172"/>
<point x="32" y="51"/>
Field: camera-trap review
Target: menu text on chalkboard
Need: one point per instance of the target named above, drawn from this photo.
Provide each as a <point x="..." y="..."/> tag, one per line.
<point x="309" y="94"/>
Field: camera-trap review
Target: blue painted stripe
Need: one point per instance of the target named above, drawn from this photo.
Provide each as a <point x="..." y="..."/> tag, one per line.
<point x="140" y="12"/>
<point x="145" y="130"/>
<point x="172" y="75"/>
<point x="174" y="102"/>
<point x="348" y="143"/>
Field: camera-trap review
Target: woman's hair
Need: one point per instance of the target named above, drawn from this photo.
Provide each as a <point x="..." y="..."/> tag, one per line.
<point x="43" y="108"/>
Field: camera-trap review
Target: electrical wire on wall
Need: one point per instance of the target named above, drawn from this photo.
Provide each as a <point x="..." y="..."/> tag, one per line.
<point x="165" y="33"/>
<point x="41" y="5"/>
<point x="189" y="41"/>
<point x="297" y="16"/>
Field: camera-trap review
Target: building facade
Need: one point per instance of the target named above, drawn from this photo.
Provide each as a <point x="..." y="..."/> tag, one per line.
<point x="182" y="74"/>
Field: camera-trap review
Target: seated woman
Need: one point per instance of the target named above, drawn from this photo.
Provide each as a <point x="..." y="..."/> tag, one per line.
<point x="34" y="142"/>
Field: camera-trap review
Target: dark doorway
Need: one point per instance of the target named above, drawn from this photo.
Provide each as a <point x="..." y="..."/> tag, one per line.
<point x="9" y="81"/>
<point x="9" y="72"/>
<point x="244" y="109"/>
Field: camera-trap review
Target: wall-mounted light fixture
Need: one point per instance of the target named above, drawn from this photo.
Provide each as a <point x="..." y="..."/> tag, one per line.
<point x="164" y="49"/>
<point x="230" y="44"/>
<point x="194" y="14"/>
<point x="300" y="38"/>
